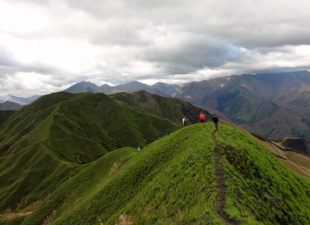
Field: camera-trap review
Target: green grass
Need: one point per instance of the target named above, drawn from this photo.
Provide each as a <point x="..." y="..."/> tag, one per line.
<point x="173" y="181"/>
<point x="258" y="185"/>
<point x="4" y="116"/>
<point x="50" y="140"/>
<point x="80" y="187"/>
<point x="77" y="153"/>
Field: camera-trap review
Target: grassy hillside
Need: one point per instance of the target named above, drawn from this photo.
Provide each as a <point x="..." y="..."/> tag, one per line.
<point x="193" y="176"/>
<point x="171" y="108"/>
<point x="49" y="141"/>
<point x="4" y="116"/>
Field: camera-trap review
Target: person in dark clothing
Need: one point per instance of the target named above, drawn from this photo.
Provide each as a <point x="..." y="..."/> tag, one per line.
<point x="215" y="121"/>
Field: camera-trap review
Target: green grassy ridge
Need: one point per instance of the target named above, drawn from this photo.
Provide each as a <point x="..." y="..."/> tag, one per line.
<point x="132" y="178"/>
<point x="110" y="124"/>
<point x="46" y="141"/>
<point x="82" y="186"/>
<point x="172" y="181"/>
<point x="260" y="189"/>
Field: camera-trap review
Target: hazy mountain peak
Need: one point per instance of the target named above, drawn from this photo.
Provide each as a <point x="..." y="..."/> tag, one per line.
<point x="8" y="105"/>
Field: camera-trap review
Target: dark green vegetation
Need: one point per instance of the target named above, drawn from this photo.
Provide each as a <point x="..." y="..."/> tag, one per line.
<point x="73" y="159"/>
<point x="273" y="105"/>
<point x="4" y="116"/>
<point x="193" y="176"/>
<point x="171" y="108"/>
<point x="45" y="143"/>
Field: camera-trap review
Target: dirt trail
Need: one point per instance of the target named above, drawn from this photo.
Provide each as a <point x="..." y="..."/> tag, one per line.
<point x="14" y="215"/>
<point x="220" y="189"/>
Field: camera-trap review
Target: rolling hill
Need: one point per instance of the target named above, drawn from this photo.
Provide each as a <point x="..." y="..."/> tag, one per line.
<point x="171" y="108"/>
<point x="193" y="176"/>
<point x="47" y="142"/>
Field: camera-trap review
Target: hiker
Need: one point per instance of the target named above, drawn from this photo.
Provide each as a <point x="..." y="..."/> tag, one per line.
<point x="215" y="121"/>
<point x="184" y="122"/>
<point x="201" y="117"/>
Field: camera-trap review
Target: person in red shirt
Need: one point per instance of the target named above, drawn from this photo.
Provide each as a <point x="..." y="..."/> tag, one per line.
<point x="202" y="117"/>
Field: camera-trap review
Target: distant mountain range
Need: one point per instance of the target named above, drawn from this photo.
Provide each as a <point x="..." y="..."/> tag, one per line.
<point x="274" y="105"/>
<point x="19" y="100"/>
<point x="10" y="106"/>
<point x="158" y="88"/>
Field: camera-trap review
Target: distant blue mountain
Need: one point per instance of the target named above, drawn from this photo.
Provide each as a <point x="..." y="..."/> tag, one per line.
<point x="8" y="105"/>
<point x="130" y="87"/>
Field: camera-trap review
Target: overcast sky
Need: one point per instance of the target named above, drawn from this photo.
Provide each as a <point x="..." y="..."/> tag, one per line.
<point x="47" y="45"/>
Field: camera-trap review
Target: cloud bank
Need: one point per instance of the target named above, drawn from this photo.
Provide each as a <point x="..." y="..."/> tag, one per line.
<point x="47" y="45"/>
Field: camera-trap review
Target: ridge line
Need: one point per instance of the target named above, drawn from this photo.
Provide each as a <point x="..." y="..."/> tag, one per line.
<point x="220" y="187"/>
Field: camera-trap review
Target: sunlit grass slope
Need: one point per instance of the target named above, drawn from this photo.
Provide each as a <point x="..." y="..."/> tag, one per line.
<point x="50" y="140"/>
<point x="193" y="176"/>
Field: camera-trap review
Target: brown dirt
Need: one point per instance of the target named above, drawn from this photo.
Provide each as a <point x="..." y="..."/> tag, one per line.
<point x="114" y="169"/>
<point x="125" y="220"/>
<point x="24" y="212"/>
<point x="14" y="215"/>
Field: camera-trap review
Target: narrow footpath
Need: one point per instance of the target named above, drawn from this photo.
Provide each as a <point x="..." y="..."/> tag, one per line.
<point x="220" y="189"/>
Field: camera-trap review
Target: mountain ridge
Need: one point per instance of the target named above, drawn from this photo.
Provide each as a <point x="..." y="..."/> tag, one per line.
<point x="8" y="105"/>
<point x="52" y="138"/>
<point x="176" y="180"/>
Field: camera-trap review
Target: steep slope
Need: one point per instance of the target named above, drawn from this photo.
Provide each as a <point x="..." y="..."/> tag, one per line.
<point x="171" y="108"/>
<point x="45" y="143"/>
<point x="4" y="116"/>
<point x="299" y="145"/>
<point x="193" y="176"/>
<point x="255" y="101"/>
<point x="167" y="89"/>
<point x="290" y="156"/>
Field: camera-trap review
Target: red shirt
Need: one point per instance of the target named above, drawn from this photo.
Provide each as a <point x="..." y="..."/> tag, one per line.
<point x="201" y="117"/>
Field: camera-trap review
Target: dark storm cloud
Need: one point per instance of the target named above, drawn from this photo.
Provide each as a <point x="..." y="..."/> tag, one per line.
<point x="192" y="54"/>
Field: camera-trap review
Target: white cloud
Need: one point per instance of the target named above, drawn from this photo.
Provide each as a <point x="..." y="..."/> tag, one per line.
<point x="58" y="42"/>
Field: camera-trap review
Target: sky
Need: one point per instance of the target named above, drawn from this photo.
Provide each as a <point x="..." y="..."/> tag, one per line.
<point x="48" y="45"/>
